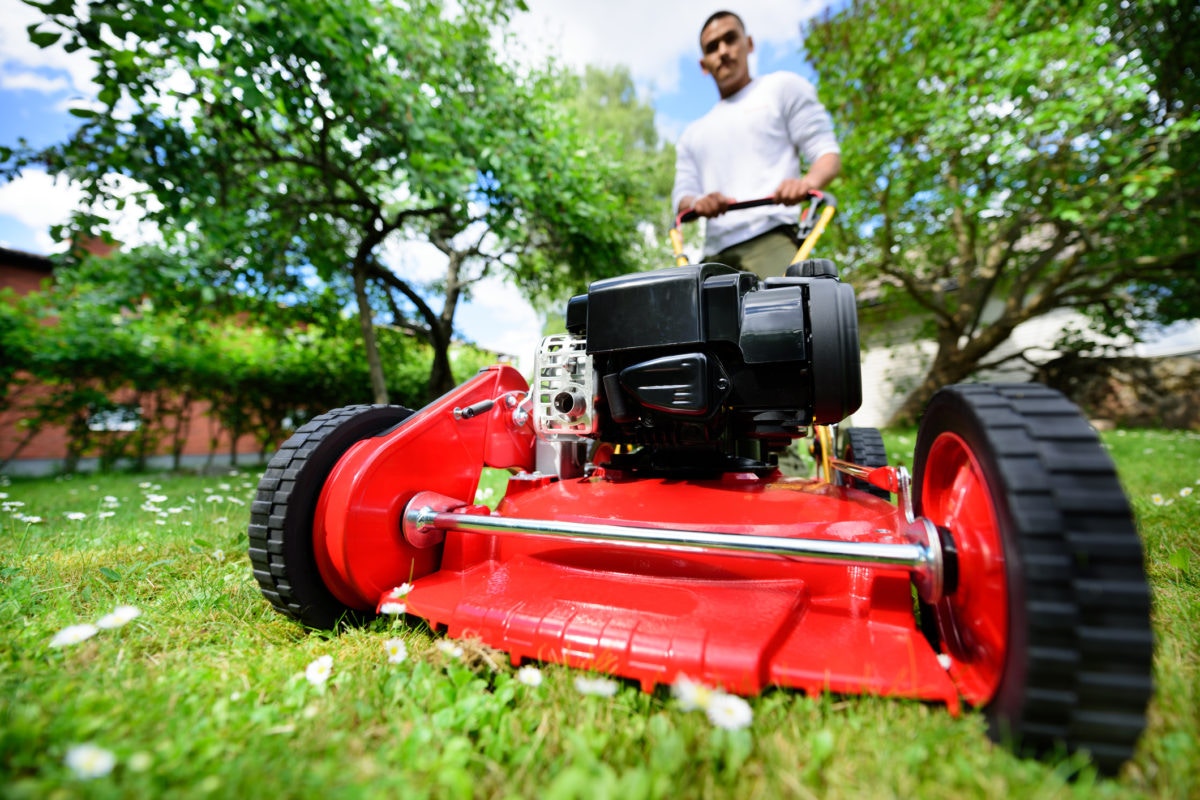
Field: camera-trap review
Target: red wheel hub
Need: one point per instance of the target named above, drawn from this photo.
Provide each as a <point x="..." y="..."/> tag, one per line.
<point x="973" y="622"/>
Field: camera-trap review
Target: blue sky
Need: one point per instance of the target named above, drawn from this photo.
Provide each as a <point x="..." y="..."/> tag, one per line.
<point x="657" y="41"/>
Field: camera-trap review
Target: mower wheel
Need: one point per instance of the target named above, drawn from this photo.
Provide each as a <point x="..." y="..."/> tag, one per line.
<point x="1049" y="628"/>
<point x="863" y="446"/>
<point x="281" y="518"/>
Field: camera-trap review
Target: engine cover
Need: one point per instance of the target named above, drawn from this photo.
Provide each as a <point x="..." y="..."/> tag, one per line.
<point x="702" y="357"/>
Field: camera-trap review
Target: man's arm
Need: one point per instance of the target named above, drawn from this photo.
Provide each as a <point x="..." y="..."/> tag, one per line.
<point x="819" y="175"/>
<point x="688" y="188"/>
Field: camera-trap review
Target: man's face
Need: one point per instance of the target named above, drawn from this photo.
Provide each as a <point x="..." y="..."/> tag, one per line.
<point x="726" y="52"/>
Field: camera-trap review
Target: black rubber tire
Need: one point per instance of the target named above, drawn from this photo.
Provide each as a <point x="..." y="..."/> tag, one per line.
<point x="281" y="517"/>
<point x="1077" y="671"/>
<point x="865" y="447"/>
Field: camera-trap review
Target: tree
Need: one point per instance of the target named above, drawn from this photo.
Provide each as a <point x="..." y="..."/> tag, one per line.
<point x="625" y="179"/>
<point x="1167" y="35"/>
<point x="299" y="139"/>
<point x="558" y="203"/>
<point x="1005" y="160"/>
<point x="607" y="105"/>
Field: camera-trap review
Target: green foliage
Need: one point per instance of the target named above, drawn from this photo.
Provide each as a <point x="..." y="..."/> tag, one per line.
<point x="16" y="340"/>
<point x="137" y="337"/>
<point x="608" y="107"/>
<point x="1005" y="160"/>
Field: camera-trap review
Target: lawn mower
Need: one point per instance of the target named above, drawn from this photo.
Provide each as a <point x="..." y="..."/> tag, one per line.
<point x="647" y="531"/>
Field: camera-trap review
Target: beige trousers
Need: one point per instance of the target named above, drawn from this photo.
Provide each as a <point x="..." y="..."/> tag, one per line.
<point x="766" y="255"/>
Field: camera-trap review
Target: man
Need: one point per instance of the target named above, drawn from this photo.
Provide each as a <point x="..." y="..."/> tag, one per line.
<point x="749" y="146"/>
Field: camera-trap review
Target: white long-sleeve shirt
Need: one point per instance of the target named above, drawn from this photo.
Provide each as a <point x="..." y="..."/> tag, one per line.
<point x="746" y="146"/>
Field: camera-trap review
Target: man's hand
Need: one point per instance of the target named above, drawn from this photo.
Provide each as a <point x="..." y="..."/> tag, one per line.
<point x="713" y="204"/>
<point x="793" y="191"/>
<point x="796" y="190"/>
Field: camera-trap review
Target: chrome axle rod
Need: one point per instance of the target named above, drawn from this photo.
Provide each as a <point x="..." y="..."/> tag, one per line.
<point x="428" y="516"/>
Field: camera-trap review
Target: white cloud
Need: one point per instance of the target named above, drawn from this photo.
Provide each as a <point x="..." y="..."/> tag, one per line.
<point x="649" y="38"/>
<point x="668" y="127"/>
<point x="34" y="82"/>
<point x="415" y="261"/>
<point x="501" y="319"/>
<point x="38" y="201"/>
<point x="24" y="65"/>
<point x="1181" y="338"/>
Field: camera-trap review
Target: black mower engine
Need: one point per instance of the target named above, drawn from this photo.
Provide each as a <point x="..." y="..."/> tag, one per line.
<point x="699" y="369"/>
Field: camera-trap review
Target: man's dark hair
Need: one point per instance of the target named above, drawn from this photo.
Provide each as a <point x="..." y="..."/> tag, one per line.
<point x="716" y="15"/>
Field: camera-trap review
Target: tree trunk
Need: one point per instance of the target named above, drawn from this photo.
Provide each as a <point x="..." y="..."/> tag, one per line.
<point x="950" y="365"/>
<point x="374" y="363"/>
<point x="441" y="376"/>
<point x="179" y="432"/>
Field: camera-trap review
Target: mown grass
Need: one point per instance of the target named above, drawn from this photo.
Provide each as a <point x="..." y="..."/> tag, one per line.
<point x="204" y="694"/>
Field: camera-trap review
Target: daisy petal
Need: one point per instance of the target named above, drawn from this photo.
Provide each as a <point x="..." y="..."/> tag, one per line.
<point x="729" y="711"/>
<point x="121" y="615"/>
<point x="397" y="650"/>
<point x="74" y="634"/>
<point x="89" y="761"/>
<point x="318" y="672"/>
<point x="691" y="695"/>
<point x="529" y="675"/>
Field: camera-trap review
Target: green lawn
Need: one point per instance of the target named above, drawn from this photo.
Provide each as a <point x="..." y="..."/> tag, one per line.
<point x="204" y="693"/>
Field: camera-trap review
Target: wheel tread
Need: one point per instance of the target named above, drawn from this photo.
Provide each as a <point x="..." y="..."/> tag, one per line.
<point x="269" y="510"/>
<point x="1089" y="653"/>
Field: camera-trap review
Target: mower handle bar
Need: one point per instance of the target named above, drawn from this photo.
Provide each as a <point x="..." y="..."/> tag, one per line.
<point x="811" y="226"/>
<point x="690" y="215"/>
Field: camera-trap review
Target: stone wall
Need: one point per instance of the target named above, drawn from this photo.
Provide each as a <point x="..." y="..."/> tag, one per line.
<point x="1131" y="392"/>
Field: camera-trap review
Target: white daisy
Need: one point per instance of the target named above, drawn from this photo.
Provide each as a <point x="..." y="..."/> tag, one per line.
<point x="89" y="761"/>
<point x="729" y="711"/>
<point x="529" y="675"/>
<point x="318" y="672"/>
<point x="74" y="634"/>
<point x="449" y="648"/>
<point x="397" y="651"/>
<point x="689" y="694"/>
<point x="121" y="615"/>
<point x="393" y="609"/>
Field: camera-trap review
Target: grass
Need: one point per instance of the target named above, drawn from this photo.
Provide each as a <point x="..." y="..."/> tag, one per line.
<point x="204" y="694"/>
